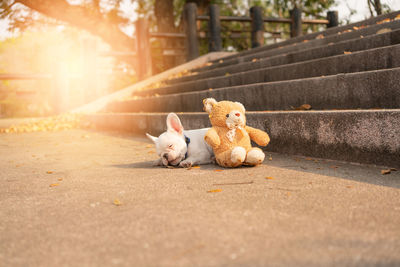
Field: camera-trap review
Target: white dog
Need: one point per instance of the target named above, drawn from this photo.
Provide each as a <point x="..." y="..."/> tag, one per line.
<point x="179" y="147"/>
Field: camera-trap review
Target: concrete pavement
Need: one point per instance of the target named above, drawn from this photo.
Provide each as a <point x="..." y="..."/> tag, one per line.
<point x="57" y="194"/>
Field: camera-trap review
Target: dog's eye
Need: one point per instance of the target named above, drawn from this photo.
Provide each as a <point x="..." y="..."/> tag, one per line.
<point x="170" y="146"/>
<point x="227" y="115"/>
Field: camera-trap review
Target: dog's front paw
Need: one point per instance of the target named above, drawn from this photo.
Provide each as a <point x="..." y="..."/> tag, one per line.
<point x="186" y="164"/>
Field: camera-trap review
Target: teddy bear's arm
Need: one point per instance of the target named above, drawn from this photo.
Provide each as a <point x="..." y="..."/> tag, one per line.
<point x="212" y="138"/>
<point x="258" y="136"/>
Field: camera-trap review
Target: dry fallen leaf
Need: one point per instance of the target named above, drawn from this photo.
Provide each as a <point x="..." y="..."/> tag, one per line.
<point x="254" y="60"/>
<point x="227" y="74"/>
<point x="151" y="152"/>
<point x="149" y="146"/>
<point x="303" y="107"/>
<point x="388" y="171"/>
<point x="383" y="21"/>
<point x="269" y="178"/>
<point x="393" y="169"/>
<point x="60" y="179"/>
<point x="52" y="185"/>
<point x="49" y="172"/>
<point x="218" y="170"/>
<point x="214" y="191"/>
<point x="384" y="30"/>
<point x="116" y="202"/>
<point x="397" y="17"/>
<point x="321" y="36"/>
<point x="221" y="61"/>
<point x="347" y="52"/>
<point x="209" y="64"/>
<point x="195" y="167"/>
<point x="209" y="89"/>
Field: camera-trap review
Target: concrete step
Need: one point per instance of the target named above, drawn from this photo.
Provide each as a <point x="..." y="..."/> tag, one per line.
<point x="366" y="90"/>
<point x="371" y="137"/>
<point x="353" y="45"/>
<point x="373" y="59"/>
<point x="371" y="30"/>
<point x="374" y="23"/>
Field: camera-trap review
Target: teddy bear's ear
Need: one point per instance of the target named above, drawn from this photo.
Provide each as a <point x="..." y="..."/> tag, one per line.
<point x="208" y="104"/>
<point x="241" y="106"/>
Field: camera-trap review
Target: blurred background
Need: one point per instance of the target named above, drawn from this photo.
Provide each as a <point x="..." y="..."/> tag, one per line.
<point x="59" y="54"/>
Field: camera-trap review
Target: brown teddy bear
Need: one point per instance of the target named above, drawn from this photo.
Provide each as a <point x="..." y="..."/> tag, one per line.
<point x="230" y="137"/>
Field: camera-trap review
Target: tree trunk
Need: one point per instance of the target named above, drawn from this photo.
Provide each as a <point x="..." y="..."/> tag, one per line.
<point x="378" y="7"/>
<point x="164" y="12"/>
<point x="370" y="8"/>
<point x="202" y="5"/>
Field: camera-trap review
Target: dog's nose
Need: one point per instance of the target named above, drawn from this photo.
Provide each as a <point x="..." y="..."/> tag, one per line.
<point x="237" y="114"/>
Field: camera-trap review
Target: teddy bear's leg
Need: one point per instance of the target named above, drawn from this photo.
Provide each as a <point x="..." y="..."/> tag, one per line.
<point x="238" y="155"/>
<point x="255" y="156"/>
<point x="231" y="158"/>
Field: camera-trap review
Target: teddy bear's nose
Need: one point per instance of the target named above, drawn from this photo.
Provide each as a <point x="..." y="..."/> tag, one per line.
<point x="237" y="114"/>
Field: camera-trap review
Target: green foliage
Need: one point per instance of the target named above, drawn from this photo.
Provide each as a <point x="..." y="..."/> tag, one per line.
<point x="113" y="10"/>
<point x="235" y="35"/>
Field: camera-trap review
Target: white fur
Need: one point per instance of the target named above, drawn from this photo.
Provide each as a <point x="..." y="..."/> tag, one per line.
<point x="208" y="104"/>
<point x="238" y="154"/>
<point x="255" y="156"/>
<point x="235" y="119"/>
<point x="171" y="146"/>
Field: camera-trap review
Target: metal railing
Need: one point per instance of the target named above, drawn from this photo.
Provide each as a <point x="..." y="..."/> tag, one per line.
<point x="191" y="34"/>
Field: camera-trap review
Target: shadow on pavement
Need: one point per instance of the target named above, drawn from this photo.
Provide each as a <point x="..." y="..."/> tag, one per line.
<point x="350" y="171"/>
<point x="136" y="165"/>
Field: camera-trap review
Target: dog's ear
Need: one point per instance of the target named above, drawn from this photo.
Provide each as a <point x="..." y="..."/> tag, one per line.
<point x="152" y="138"/>
<point x="208" y="104"/>
<point x="174" y="124"/>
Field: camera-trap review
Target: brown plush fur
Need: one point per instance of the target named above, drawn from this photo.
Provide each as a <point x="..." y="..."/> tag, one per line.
<point x="217" y="138"/>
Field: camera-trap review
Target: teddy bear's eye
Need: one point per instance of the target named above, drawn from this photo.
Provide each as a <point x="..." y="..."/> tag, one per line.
<point x="227" y="115"/>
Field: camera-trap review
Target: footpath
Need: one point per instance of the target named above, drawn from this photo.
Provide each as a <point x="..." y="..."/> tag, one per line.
<point x="85" y="198"/>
